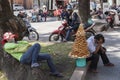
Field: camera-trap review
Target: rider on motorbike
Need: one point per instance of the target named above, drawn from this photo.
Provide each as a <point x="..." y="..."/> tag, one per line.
<point x="110" y="18"/>
<point x="74" y="25"/>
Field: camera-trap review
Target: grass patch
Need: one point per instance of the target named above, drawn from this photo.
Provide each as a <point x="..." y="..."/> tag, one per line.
<point x="64" y="64"/>
<point x="59" y="53"/>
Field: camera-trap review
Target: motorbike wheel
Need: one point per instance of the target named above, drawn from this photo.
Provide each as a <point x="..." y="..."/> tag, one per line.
<point x="33" y="35"/>
<point x="89" y="33"/>
<point x="55" y="38"/>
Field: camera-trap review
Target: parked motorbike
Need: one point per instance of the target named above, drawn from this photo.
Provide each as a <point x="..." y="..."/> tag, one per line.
<point x="34" y="18"/>
<point x="110" y="19"/>
<point x="60" y="34"/>
<point x="116" y="16"/>
<point x="31" y="32"/>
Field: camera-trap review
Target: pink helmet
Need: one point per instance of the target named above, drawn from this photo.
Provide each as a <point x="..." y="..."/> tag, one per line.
<point x="8" y="35"/>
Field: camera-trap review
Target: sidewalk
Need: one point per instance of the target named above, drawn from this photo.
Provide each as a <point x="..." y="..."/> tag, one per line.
<point x="113" y="51"/>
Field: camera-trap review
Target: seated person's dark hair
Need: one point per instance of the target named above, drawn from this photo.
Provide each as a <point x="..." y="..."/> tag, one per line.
<point x="99" y="36"/>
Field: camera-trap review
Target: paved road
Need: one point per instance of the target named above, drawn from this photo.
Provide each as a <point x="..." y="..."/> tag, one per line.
<point x="45" y="28"/>
<point x="113" y="51"/>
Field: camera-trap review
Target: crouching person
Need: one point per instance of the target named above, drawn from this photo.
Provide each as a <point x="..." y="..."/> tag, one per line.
<point x="96" y="49"/>
<point x="27" y="53"/>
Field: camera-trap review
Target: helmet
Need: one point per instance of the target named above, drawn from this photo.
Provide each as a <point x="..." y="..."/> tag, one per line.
<point x="64" y="23"/>
<point x="8" y="35"/>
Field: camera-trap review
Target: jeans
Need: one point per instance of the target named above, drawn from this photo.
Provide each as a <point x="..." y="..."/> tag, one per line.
<point x="75" y="27"/>
<point x="68" y="34"/>
<point x="95" y="58"/>
<point x="33" y="55"/>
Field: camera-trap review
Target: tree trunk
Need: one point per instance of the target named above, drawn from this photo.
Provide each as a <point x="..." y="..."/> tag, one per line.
<point x="101" y="3"/>
<point x="13" y="69"/>
<point x="39" y="4"/>
<point x="8" y="22"/>
<point x="84" y="9"/>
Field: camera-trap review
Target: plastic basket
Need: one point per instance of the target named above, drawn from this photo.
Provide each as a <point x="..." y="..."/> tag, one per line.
<point x="81" y="62"/>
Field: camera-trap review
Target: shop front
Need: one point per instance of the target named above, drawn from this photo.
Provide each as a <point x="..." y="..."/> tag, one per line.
<point x="61" y="3"/>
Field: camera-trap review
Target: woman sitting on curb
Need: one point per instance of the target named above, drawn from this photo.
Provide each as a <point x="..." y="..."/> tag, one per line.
<point x="27" y="53"/>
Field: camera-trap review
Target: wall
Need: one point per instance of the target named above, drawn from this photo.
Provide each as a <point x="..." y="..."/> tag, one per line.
<point x="118" y="2"/>
<point x="28" y="4"/>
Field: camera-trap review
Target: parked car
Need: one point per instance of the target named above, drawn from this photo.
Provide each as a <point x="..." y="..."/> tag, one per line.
<point x="17" y="7"/>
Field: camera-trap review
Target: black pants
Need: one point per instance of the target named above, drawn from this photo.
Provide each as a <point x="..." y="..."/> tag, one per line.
<point x="95" y="58"/>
